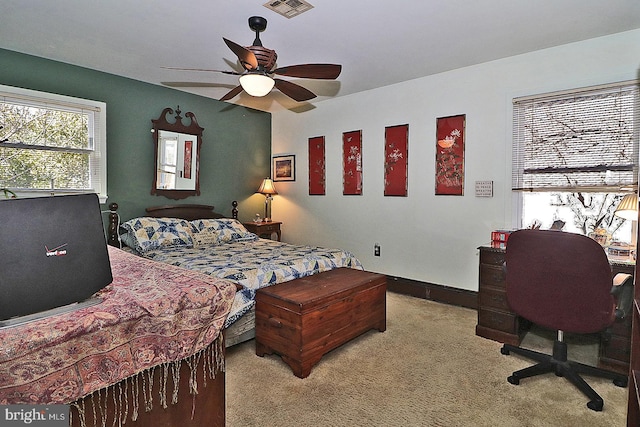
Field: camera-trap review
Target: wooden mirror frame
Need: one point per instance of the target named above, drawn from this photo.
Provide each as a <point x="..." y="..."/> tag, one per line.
<point x="161" y="123"/>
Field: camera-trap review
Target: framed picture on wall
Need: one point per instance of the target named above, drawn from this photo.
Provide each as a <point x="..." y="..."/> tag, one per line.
<point x="396" y="160"/>
<point x="284" y="168"/>
<point x="352" y="163"/>
<point x="450" y="133"/>
<point x="316" y="166"/>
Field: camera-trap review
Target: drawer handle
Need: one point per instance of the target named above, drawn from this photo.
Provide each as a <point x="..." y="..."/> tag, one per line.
<point x="275" y="322"/>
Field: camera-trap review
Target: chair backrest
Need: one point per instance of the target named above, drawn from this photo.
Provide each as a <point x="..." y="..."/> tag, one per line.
<point x="559" y="280"/>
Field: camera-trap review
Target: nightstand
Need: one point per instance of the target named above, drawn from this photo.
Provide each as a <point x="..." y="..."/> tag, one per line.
<point x="264" y="228"/>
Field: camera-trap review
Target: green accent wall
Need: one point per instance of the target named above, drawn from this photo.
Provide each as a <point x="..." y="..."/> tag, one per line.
<point x="236" y="149"/>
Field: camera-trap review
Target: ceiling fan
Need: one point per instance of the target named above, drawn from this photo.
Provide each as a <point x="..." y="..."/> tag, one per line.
<point x="259" y="69"/>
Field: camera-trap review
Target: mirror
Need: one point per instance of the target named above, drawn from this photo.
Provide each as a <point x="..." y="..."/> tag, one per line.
<point x="177" y="156"/>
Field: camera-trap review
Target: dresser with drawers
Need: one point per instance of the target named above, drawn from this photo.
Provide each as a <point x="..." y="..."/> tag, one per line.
<point x="496" y="321"/>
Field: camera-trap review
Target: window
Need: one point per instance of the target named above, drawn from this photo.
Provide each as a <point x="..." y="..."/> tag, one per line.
<point x="574" y="155"/>
<point x="51" y="144"/>
<point x="168" y="162"/>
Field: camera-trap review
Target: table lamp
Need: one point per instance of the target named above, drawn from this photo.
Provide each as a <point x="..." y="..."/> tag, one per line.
<point x="628" y="209"/>
<point x="268" y="189"/>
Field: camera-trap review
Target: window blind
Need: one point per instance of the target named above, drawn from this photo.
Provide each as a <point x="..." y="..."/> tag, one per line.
<point x="585" y="139"/>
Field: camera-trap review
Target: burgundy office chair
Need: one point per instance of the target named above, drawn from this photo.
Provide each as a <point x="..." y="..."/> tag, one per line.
<point x="563" y="281"/>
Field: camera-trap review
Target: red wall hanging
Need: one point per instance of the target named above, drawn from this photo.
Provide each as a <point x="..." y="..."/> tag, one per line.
<point x="316" y="166"/>
<point x="450" y="155"/>
<point x="352" y="162"/>
<point x="396" y="160"/>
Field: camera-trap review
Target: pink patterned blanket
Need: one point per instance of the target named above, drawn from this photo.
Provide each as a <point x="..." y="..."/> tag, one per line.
<point x="152" y="314"/>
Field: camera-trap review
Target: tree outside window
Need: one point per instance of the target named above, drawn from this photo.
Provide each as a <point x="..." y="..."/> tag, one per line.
<point x="51" y="146"/>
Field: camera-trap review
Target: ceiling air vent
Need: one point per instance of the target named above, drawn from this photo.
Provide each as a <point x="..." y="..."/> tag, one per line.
<point x="288" y="8"/>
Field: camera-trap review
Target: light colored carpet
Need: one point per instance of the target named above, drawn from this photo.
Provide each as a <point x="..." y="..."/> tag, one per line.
<point x="428" y="369"/>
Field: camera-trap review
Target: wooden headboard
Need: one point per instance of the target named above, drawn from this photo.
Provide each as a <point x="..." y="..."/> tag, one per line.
<point x="184" y="211"/>
<point x="188" y="212"/>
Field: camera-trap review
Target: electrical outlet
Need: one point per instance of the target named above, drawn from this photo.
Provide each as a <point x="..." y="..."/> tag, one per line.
<point x="376" y="249"/>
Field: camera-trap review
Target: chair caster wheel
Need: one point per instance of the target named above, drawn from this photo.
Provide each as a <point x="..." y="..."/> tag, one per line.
<point x="504" y="351"/>
<point x="595" y="405"/>
<point x="513" y="380"/>
<point x="621" y="382"/>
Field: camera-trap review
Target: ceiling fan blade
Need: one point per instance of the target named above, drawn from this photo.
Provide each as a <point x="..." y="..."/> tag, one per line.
<point x="294" y="91"/>
<point x="196" y="84"/>
<point x="246" y="57"/>
<point x="311" y="71"/>
<point x="203" y="69"/>
<point x="232" y="93"/>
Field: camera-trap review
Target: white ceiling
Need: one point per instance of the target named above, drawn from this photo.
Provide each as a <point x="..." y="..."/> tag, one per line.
<point x="378" y="43"/>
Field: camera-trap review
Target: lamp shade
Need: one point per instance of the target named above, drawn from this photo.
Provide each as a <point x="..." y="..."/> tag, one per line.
<point x="628" y="207"/>
<point x="267" y="187"/>
<point x="256" y="84"/>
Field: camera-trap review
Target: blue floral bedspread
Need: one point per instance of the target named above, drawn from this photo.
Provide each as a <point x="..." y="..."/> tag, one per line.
<point x="254" y="264"/>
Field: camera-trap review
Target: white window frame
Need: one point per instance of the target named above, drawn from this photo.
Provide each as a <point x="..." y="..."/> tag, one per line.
<point x="98" y="158"/>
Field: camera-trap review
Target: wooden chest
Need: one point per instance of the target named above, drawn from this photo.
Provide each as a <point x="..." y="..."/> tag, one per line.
<point x="304" y="319"/>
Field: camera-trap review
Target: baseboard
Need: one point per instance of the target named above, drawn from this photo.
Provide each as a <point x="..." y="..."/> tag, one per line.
<point x="430" y="291"/>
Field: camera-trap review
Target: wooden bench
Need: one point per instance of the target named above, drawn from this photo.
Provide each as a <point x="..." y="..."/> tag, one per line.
<point x="303" y="319"/>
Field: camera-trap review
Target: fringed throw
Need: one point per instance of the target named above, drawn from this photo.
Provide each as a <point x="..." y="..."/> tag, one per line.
<point x="124" y="397"/>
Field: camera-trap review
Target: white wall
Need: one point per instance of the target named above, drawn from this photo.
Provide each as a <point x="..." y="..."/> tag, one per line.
<point x="423" y="236"/>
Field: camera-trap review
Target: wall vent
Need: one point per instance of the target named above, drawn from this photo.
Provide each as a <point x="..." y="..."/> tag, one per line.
<point x="288" y="8"/>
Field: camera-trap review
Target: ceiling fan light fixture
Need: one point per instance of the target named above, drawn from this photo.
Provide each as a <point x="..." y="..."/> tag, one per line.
<point x="259" y="65"/>
<point x="256" y="84"/>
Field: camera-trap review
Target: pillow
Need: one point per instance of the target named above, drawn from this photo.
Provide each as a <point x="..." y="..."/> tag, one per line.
<point x="218" y="231"/>
<point x="146" y="233"/>
<point x="129" y="240"/>
<point x="205" y="232"/>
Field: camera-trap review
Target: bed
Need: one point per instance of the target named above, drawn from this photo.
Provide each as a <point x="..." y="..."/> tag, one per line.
<point x="197" y="238"/>
<point x="150" y="354"/>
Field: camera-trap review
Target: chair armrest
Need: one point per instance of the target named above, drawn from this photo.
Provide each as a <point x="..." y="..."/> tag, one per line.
<point x="622" y="290"/>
